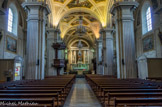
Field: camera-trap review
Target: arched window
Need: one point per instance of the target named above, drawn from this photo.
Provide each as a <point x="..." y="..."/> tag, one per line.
<point x="10" y="20"/>
<point x="149" y="19"/>
<point x="146" y="18"/>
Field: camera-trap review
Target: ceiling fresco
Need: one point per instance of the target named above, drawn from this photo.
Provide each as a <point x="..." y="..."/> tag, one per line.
<point x="72" y="21"/>
<point x="90" y="18"/>
<point x="98" y="8"/>
<point x="68" y="19"/>
<point x="65" y="15"/>
<point x="79" y="3"/>
<point x="97" y="1"/>
<point x="61" y="1"/>
<point x="79" y="13"/>
<point x="76" y="22"/>
<point x="71" y="31"/>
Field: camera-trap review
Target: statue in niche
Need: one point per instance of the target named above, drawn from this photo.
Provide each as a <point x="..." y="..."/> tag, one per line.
<point x="154" y="4"/>
<point x="79" y="56"/>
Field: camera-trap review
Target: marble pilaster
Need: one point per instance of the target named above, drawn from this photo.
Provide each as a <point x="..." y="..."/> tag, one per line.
<point x="98" y="56"/>
<point x="36" y="21"/>
<point x="61" y="54"/>
<point x="108" y="50"/>
<point x="51" y="71"/>
<point x="125" y="42"/>
<point x="53" y="37"/>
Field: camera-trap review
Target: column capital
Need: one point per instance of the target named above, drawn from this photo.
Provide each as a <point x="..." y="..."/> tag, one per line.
<point x="50" y="29"/>
<point x="107" y="33"/>
<point x="56" y="30"/>
<point x="111" y="30"/>
<point x="28" y="6"/>
<point x="132" y="5"/>
<point x="99" y="42"/>
<point x="99" y="39"/>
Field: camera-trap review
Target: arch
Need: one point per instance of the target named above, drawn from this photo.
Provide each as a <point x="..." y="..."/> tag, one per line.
<point x="22" y="14"/>
<point x="77" y="41"/>
<point x="70" y="37"/>
<point x="78" y="10"/>
<point x="91" y="44"/>
<point x="146" y="17"/>
<point x="12" y="10"/>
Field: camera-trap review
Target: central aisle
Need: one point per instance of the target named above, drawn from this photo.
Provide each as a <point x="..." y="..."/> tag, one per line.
<point x="81" y="95"/>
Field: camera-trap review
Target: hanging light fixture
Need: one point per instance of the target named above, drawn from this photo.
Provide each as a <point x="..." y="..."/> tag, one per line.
<point x="81" y="30"/>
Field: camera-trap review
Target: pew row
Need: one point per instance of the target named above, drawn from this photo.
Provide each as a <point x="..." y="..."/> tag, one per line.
<point x="117" y="92"/>
<point x="50" y="92"/>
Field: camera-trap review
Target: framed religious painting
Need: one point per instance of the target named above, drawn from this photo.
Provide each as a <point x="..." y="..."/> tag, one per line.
<point x="11" y="45"/>
<point x="148" y="43"/>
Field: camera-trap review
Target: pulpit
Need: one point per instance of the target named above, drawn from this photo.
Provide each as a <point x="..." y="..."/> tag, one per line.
<point x="58" y="63"/>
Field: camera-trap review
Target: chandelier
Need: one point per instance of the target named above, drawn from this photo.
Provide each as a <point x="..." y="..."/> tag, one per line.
<point x="80" y="28"/>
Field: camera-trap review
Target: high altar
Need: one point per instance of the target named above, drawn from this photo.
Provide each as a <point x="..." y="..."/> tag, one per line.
<point x="80" y="58"/>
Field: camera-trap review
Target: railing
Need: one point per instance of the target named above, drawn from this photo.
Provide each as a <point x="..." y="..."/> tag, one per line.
<point x="80" y="67"/>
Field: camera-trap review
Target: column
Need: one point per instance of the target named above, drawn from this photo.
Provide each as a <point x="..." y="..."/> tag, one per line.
<point x="61" y="54"/>
<point x="52" y="37"/>
<point x="157" y="17"/>
<point x="108" y="50"/>
<point x="51" y="71"/>
<point x="125" y="43"/>
<point x="99" y="55"/>
<point x="36" y="21"/>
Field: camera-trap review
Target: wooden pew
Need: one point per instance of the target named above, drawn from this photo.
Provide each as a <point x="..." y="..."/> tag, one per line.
<point x="134" y="95"/>
<point x="2" y="82"/>
<point x="110" y="88"/>
<point x="31" y="95"/>
<point x="31" y="102"/>
<point x="48" y="88"/>
<point x="107" y="91"/>
<point x="124" y="102"/>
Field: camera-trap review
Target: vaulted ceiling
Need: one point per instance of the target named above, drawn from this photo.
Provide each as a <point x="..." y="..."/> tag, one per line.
<point x="65" y="15"/>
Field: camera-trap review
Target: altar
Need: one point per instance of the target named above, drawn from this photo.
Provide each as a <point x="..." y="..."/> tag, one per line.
<point x="79" y="56"/>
